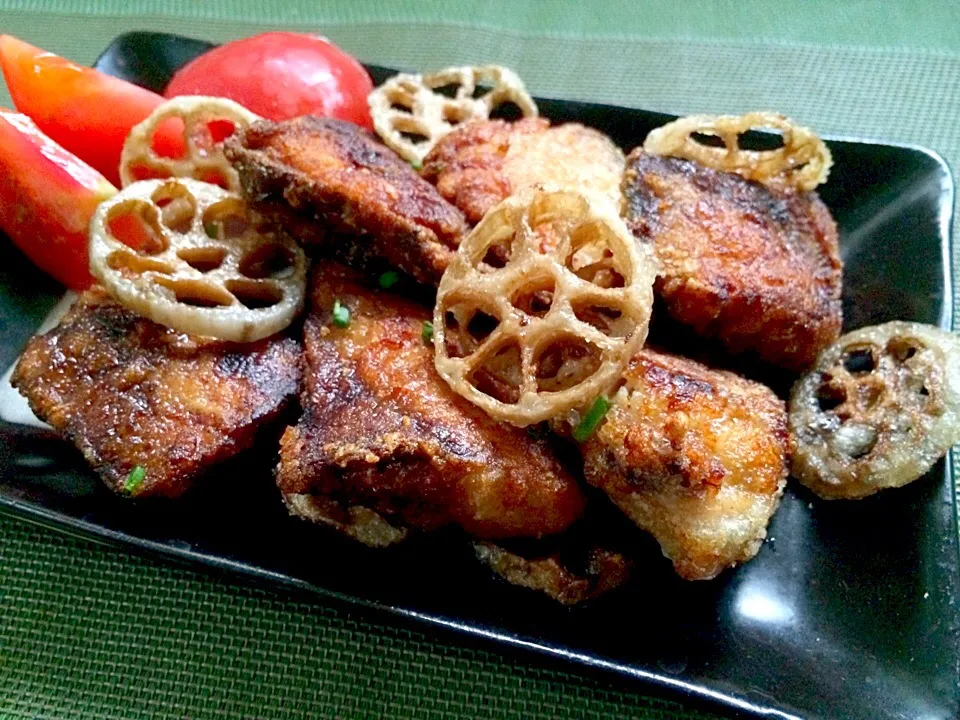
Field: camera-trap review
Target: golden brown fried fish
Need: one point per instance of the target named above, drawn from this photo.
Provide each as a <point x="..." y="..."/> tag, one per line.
<point x="695" y="456"/>
<point x="130" y="393"/>
<point x="483" y="162"/>
<point x="755" y="266"/>
<point x="328" y="181"/>
<point x="381" y="429"/>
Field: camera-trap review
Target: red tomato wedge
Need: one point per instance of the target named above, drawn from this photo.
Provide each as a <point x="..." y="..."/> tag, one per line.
<point x="88" y="113"/>
<point x="281" y="75"/>
<point x="47" y="197"/>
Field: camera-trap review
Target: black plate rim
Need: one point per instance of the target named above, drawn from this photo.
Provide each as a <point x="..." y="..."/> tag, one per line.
<point x="76" y="527"/>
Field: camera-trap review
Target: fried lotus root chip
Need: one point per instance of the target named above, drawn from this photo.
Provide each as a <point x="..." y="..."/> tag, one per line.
<point x="207" y="122"/>
<point x="545" y="302"/>
<point x="803" y="162"/>
<point x="193" y="257"/>
<point x="410" y="113"/>
<point x="878" y="409"/>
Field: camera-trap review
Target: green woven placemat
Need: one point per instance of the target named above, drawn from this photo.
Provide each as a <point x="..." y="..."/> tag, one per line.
<point x="91" y="632"/>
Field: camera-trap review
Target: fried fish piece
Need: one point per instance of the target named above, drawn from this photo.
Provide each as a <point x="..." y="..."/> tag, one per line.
<point x="756" y="266"/>
<point x="130" y="393"/>
<point x="329" y="182"/>
<point x="695" y="456"/>
<point x="482" y="163"/>
<point x="381" y="429"/>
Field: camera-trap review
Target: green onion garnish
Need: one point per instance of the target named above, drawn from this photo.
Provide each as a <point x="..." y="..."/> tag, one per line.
<point x="389" y="279"/>
<point x="210" y="229"/>
<point x="426" y="332"/>
<point x="135" y="479"/>
<point x="592" y="419"/>
<point x="341" y="314"/>
<point x="416" y="164"/>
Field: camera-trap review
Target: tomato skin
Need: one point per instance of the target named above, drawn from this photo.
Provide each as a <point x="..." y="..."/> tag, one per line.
<point x="47" y="197"/>
<point x="281" y="75"/>
<point x="88" y="113"/>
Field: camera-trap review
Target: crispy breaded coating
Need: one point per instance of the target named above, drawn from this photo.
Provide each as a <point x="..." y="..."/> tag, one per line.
<point x="482" y="163"/>
<point x="129" y="393"/>
<point x="327" y="181"/>
<point x="355" y="521"/>
<point x="381" y="429"/>
<point x="598" y="572"/>
<point x="756" y="266"/>
<point x="695" y="456"/>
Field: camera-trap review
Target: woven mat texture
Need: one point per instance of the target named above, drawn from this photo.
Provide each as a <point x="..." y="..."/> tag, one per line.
<point x="88" y="631"/>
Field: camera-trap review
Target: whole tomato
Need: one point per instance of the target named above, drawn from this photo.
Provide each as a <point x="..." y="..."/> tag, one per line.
<point x="281" y="75"/>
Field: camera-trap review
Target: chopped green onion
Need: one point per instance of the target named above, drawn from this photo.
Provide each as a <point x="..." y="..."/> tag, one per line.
<point x="135" y="479"/>
<point x="416" y="164"/>
<point x="210" y="229"/>
<point x="341" y="314"/>
<point x="426" y="332"/>
<point x="389" y="279"/>
<point x="592" y="419"/>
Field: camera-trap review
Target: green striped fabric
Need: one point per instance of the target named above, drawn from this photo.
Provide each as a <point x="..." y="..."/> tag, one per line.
<point x="88" y="631"/>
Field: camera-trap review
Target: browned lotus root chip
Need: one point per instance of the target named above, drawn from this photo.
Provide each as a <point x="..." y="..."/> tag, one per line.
<point x="878" y="409"/>
<point x="193" y="257"/>
<point x="803" y="162"/>
<point x="544" y="303"/>
<point x="207" y="122"/>
<point x="411" y="115"/>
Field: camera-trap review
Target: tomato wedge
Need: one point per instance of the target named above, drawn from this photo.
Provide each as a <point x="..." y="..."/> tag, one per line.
<point x="88" y="113"/>
<point x="47" y="197"/>
<point x="281" y="75"/>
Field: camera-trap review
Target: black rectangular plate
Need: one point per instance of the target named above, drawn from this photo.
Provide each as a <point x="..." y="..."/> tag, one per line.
<point x="850" y="609"/>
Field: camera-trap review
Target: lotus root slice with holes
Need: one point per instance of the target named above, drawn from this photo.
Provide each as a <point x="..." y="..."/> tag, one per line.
<point x="412" y="112"/>
<point x="543" y="305"/>
<point x="206" y="122"/>
<point x="193" y="257"/>
<point x="878" y="409"/>
<point x="803" y="162"/>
